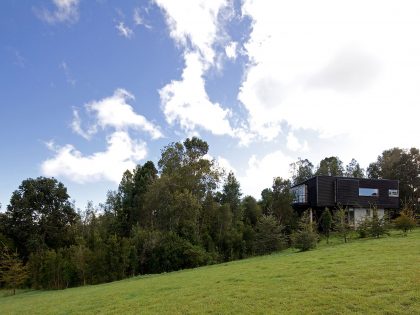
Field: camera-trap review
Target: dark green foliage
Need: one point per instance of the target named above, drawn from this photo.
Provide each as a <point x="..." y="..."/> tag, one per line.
<point x="301" y="170"/>
<point x="401" y="164"/>
<point x="373" y="226"/>
<point x="252" y="210"/>
<point x="39" y="216"/>
<point x="281" y="204"/>
<point x="269" y="235"/>
<point x="306" y="237"/>
<point x="330" y="166"/>
<point x="353" y="169"/>
<point x="325" y="223"/>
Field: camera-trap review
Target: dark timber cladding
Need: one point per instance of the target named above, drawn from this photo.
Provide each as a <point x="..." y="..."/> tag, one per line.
<point x="330" y="191"/>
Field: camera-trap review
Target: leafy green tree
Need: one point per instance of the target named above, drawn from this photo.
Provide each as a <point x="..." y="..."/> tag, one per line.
<point x="231" y="194"/>
<point x="306" y="237"/>
<point x="252" y="210"/>
<point x="40" y="215"/>
<point x="330" y="166"/>
<point x="403" y="165"/>
<point x="301" y="170"/>
<point x="325" y="222"/>
<point x="353" y="169"/>
<point x="406" y="221"/>
<point x="13" y="273"/>
<point x="266" y="202"/>
<point x="269" y="235"/>
<point x="282" y="200"/>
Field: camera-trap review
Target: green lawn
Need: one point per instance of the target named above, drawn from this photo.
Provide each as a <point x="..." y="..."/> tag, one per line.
<point x="364" y="276"/>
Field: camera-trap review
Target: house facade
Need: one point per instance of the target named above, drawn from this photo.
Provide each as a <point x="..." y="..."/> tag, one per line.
<point x="358" y="195"/>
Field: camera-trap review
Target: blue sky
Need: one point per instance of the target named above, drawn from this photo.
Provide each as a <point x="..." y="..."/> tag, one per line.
<point x="90" y="88"/>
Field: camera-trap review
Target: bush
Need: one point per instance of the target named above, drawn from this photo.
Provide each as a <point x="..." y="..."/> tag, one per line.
<point x="405" y="223"/>
<point x="305" y="238"/>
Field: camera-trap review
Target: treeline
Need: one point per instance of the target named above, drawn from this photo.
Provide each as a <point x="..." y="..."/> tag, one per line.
<point x="184" y="213"/>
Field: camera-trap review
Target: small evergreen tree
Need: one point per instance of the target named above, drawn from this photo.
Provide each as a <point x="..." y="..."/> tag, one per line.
<point x="406" y="221"/>
<point x="13" y="273"/>
<point x="269" y="235"/>
<point x="325" y="222"/>
<point x="306" y="237"/>
<point x="378" y="226"/>
<point x="341" y="224"/>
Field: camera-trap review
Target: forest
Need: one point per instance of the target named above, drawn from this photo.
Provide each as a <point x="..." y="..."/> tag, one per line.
<point x="182" y="213"/>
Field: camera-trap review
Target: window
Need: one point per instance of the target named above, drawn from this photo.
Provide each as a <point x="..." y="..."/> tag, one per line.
<point x="369" y="192"/>
<point x="368" y="212"/>
<point x="393" y="193"/>
<point x="300" y="194"/>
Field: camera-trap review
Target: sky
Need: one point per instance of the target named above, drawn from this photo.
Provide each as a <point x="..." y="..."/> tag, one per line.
<point x="89" y="89"/>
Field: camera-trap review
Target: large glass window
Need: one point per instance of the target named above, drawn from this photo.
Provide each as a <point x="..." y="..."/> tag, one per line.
<point x="369" y="192"/>
<point x="300" y="194"/>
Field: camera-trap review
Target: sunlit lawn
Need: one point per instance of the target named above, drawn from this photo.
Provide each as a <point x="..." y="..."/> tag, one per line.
<point x="364" y="276"/>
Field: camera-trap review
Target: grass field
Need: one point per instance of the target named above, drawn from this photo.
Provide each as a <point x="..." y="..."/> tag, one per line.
<point x="374" y="276"/>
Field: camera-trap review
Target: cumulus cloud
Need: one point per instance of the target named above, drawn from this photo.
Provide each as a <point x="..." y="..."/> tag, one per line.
<point x="194" y="24"/>
<point x="197" y="27"/>
<point x="293" y="143"/>
<point x="64" y="11"/>
<point x="350" y="71"/>
<point x="124" y="30"/>
<point x="261" y="172"/>
<point x="121" y="154"/>
<point x="114" y="112"/>
<point x="187" y="102"/>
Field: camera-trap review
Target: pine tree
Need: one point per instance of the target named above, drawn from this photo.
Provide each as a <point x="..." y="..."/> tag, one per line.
<point x="13" y="273"/>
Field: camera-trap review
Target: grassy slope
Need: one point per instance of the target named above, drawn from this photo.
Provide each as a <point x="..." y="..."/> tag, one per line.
<point x="367" y="276"/>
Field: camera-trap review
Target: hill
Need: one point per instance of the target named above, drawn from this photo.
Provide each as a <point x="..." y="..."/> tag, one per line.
<point x="365" y="276"/>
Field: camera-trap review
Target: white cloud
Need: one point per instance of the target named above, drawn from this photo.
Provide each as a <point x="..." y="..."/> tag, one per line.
<point x="187" y="102"/>
<point x="64" y="11"/>
<point x="115" y="112"/>
<point x="124" y="30"/>
<point x="293" y="143"/>
<point x="67" y="73"/>
<point x="231" y="50"/>
<point x="197" y="26"/>
<point x="121" y="154"/>
<point x="225" y="164"/>
<point x="138" y="20"/>
<point x="194" y="24"/>
<point x="340" y="69"/>
<point x="261" y="172"/>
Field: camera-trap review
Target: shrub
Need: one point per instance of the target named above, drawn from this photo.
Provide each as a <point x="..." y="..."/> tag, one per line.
<point x="305" y="238"/>
<point x="405" y="222"/>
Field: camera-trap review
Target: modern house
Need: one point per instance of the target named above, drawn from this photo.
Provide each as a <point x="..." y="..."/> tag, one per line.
<point x="358" y="195"/>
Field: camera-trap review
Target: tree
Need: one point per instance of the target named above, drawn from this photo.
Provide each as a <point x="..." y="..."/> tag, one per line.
<point x="266" y="202"/>
<point x="406" y="221"/>
<point x="403" y="165"/>
<point x="301" y="170"/>
<point x="40" y="215"/>
<point x="252" y="210"/>
<point x="13" y="273"/>
<point x="330" y="166"/>
<point x="353" y="169"/>
<point x="325" y="222"/>
<point x="341" y="224"/>
<point x="305" y="238"/>
<point x="378" y="226"/>
<point x="269" y="236"/>
<point x="282" y="200"/>
<point x="231" y="194"/>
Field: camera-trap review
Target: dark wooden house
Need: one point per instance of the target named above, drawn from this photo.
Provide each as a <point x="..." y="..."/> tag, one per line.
<point x="358" y="195"/>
